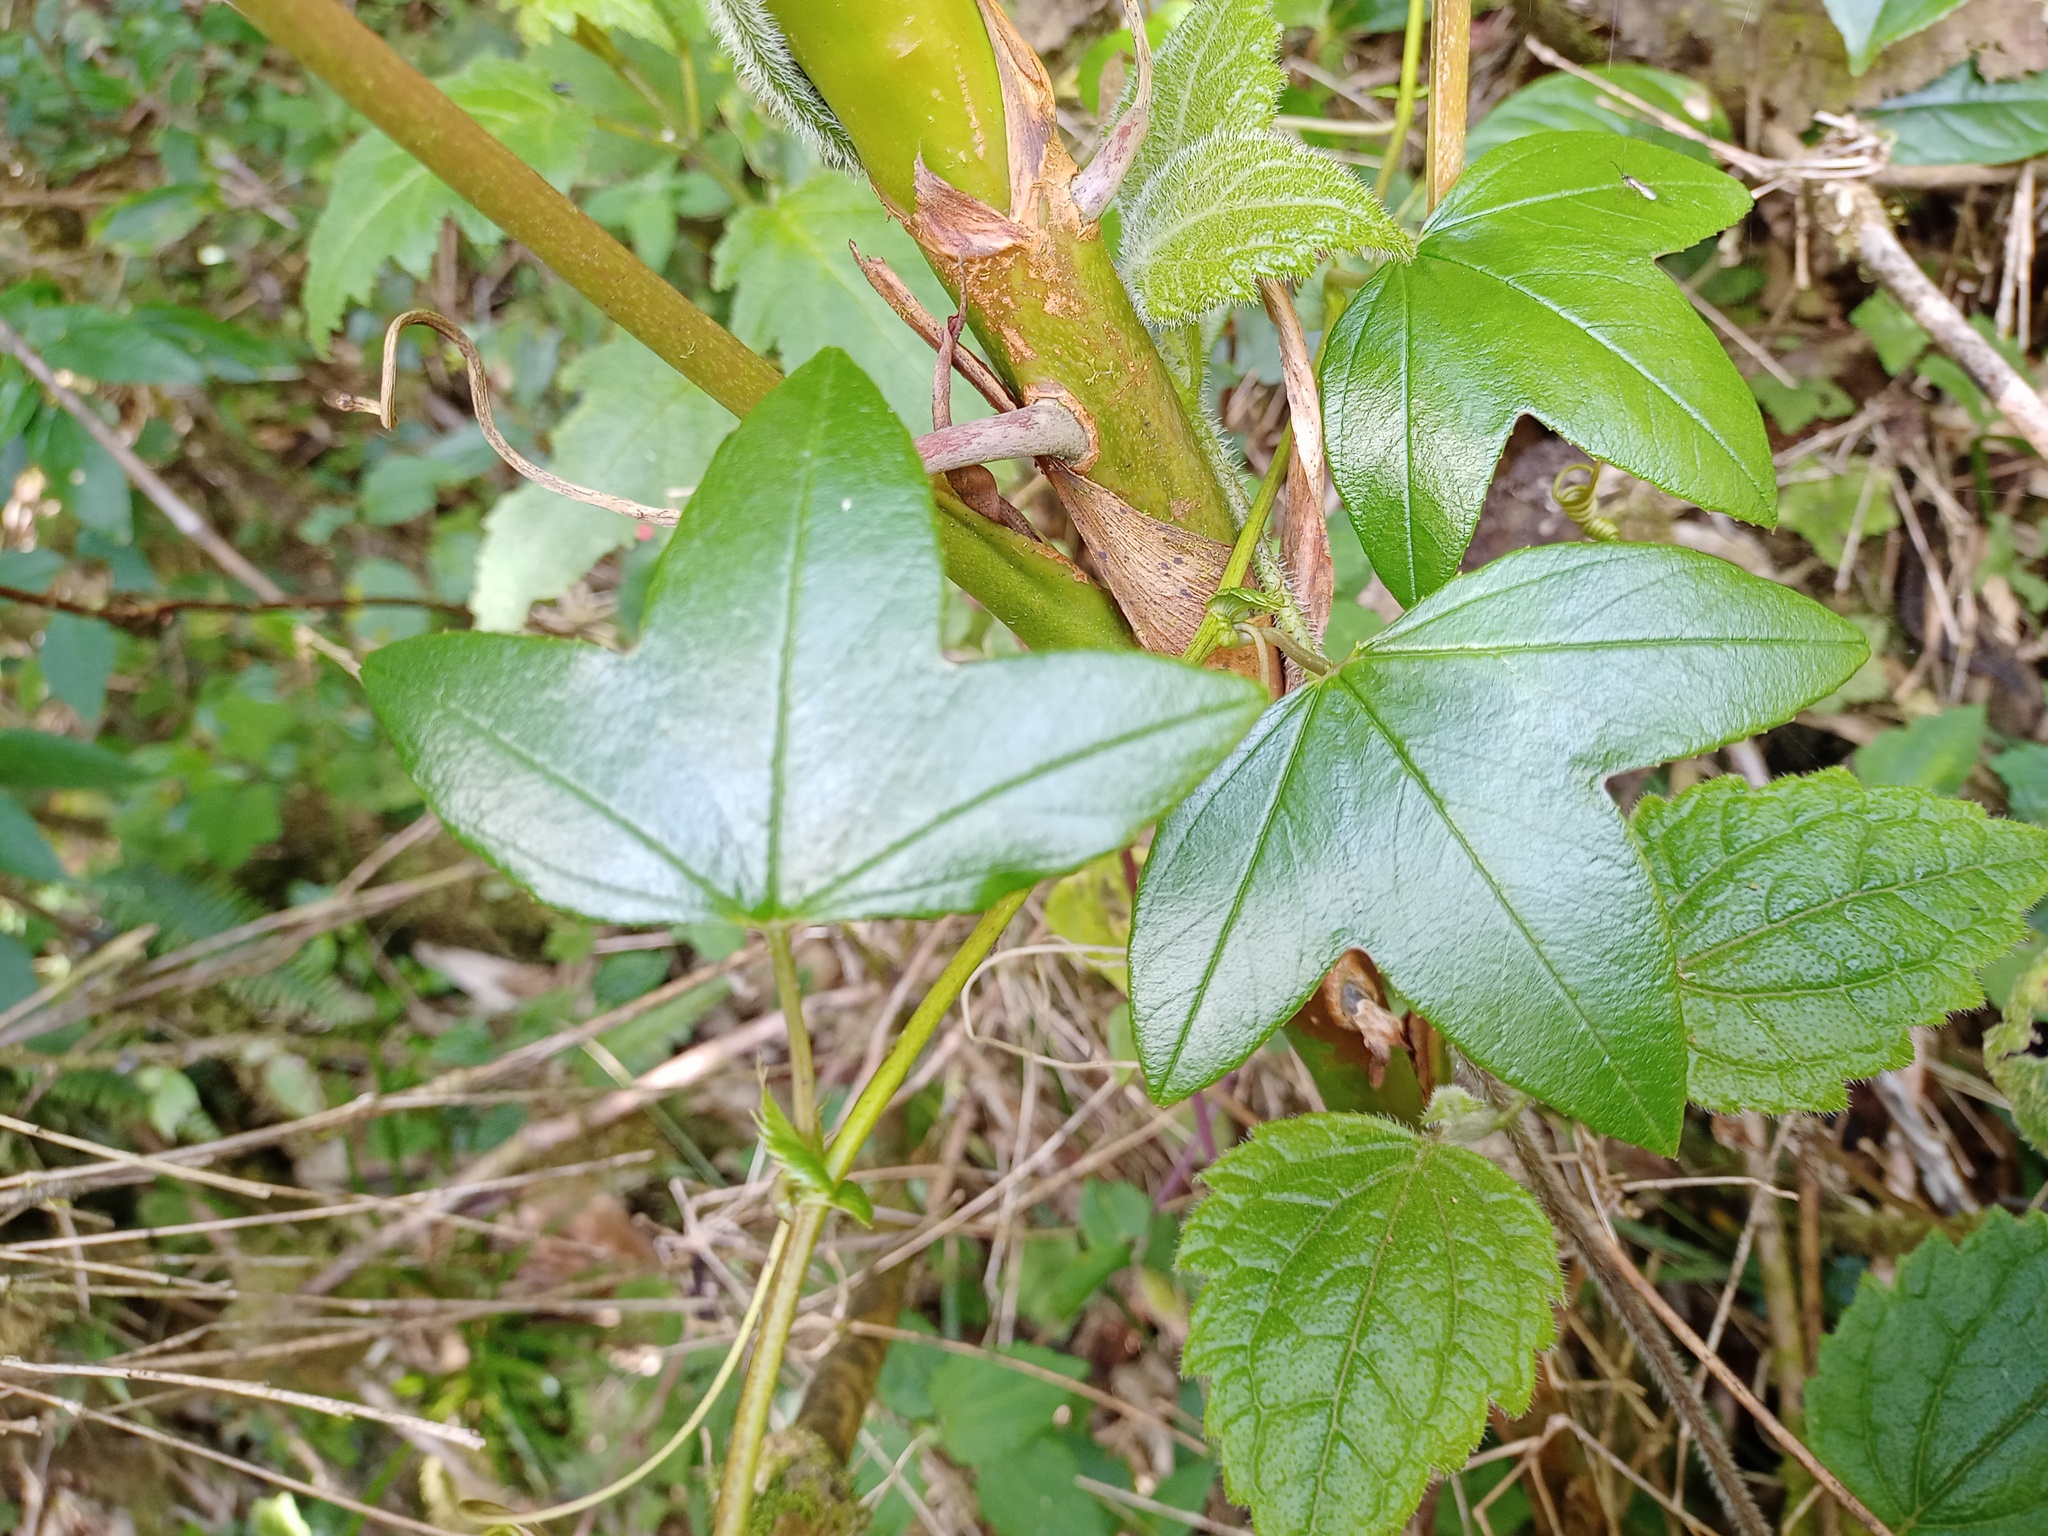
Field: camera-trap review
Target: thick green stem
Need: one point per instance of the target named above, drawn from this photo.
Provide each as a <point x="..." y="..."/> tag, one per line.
<point x="789" y="992"/>
<point x="1033" y="593"/>
<point x="418" y="116"/>
<point x="1404" y="102"/>
<point x="908" y="81"/>
<point x="750" y="1422"/>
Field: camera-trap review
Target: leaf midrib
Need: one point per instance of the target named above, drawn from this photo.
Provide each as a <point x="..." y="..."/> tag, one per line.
<point x="1421" y="782"/>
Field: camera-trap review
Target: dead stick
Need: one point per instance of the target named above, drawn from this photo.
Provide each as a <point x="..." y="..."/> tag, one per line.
<point x="1853" y="214"/>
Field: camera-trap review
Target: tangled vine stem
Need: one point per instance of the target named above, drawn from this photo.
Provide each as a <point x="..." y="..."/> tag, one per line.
<point x="1045" y="427"/>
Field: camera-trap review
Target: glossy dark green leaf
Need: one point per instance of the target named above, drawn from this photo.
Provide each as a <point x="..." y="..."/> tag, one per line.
<point x="39" y="760"/>
<point x="1533" y="291"/>
<point x="1562" y="103"/>
<point x="1818" y="920"/>
<point x="1931" y="1401"/>
<point x="1369" y="1291"/>
<point x="787" y="742"/>
<point x="1438" y="802"/>
<point x="1868" y="27"/>
<point x="1965" y="119"/>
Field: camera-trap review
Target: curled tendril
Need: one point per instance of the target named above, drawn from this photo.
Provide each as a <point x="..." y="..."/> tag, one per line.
<point x="480" y="396"/>
<point x="1581" y="501"/>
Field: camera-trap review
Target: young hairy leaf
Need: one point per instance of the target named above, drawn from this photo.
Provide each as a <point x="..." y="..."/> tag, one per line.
<point x="1438" y="802"/>
<point x="796" y="290"/>
<point x="1216" y="200"/>
<point x="1931" y="1401"/>
<point x="1218" y="72"/>
<point x="787" y="743"/>
<point x="1562" y="103"/>
<point x="1229" y="210"/>
<point x="1964" y="118"/>
<point x="642" y="431"/>
<point x="1868" y="27"/>
<point x="1533" y="290"/>
<point x="1818" y="920"/>
<point x="384" y="205"/>
<point x="1369" y="1291"/>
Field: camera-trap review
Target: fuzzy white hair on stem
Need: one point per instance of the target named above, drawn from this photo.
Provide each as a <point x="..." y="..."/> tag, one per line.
<point x="760" y="52"/>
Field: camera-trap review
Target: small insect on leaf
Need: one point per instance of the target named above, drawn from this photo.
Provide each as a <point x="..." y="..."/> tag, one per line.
<point x="1636" y="186"/>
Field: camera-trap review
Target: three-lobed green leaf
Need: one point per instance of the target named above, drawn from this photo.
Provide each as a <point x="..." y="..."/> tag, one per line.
<point x="787" y="743"/>
<point x="1438" y="802"/>
<point x="1962" y="118"/>
<point x="1533" y="291"/>
<point x="1931" y="1400"/>
<point x="383" y="205"/>
<point x="1368" y="1292"/>
<point x="1818" y="920"/>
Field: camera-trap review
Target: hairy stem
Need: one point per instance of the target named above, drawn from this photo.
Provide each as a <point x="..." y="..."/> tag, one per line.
<point x="1404" y="102"/>
<point x="789" y="992"/>
<point x="1215" y="630"/>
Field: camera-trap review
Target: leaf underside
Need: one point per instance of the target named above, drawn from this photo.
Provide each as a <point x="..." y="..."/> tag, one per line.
<point x="1817" y="921"/>
<point x="1533" y="292"/>
<point x="1368" y="1292"/>
<point x="787" y="742"/>
<point x="1931" y="1400"/>
<point x="1438" y="802"/>
<point x="1868" y="27"/>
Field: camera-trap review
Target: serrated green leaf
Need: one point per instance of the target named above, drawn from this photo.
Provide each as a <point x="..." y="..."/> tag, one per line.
<point x="1935" y="752"/>
<point x="797" y="290"/>
<point x="383" y="205"/>
<point x="1227" y="211"/>
<point x="39" y="760"/>
<point x="787" y="742"/>
<point x="1438" y="801"/>
<point x="1963" y="118"/>
<point x="1533" y="292"/>
<point x="641" y="430"/>
<point x="1217" y="73"/>
<point x="1868" y="27"/>
<point x="2016" y="1054"/>
<point x="1563" y="103"/>
<point x="1818" y="920"/>
<point x="1369" y="1292"/>
<point x="1931" y="1401"/>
